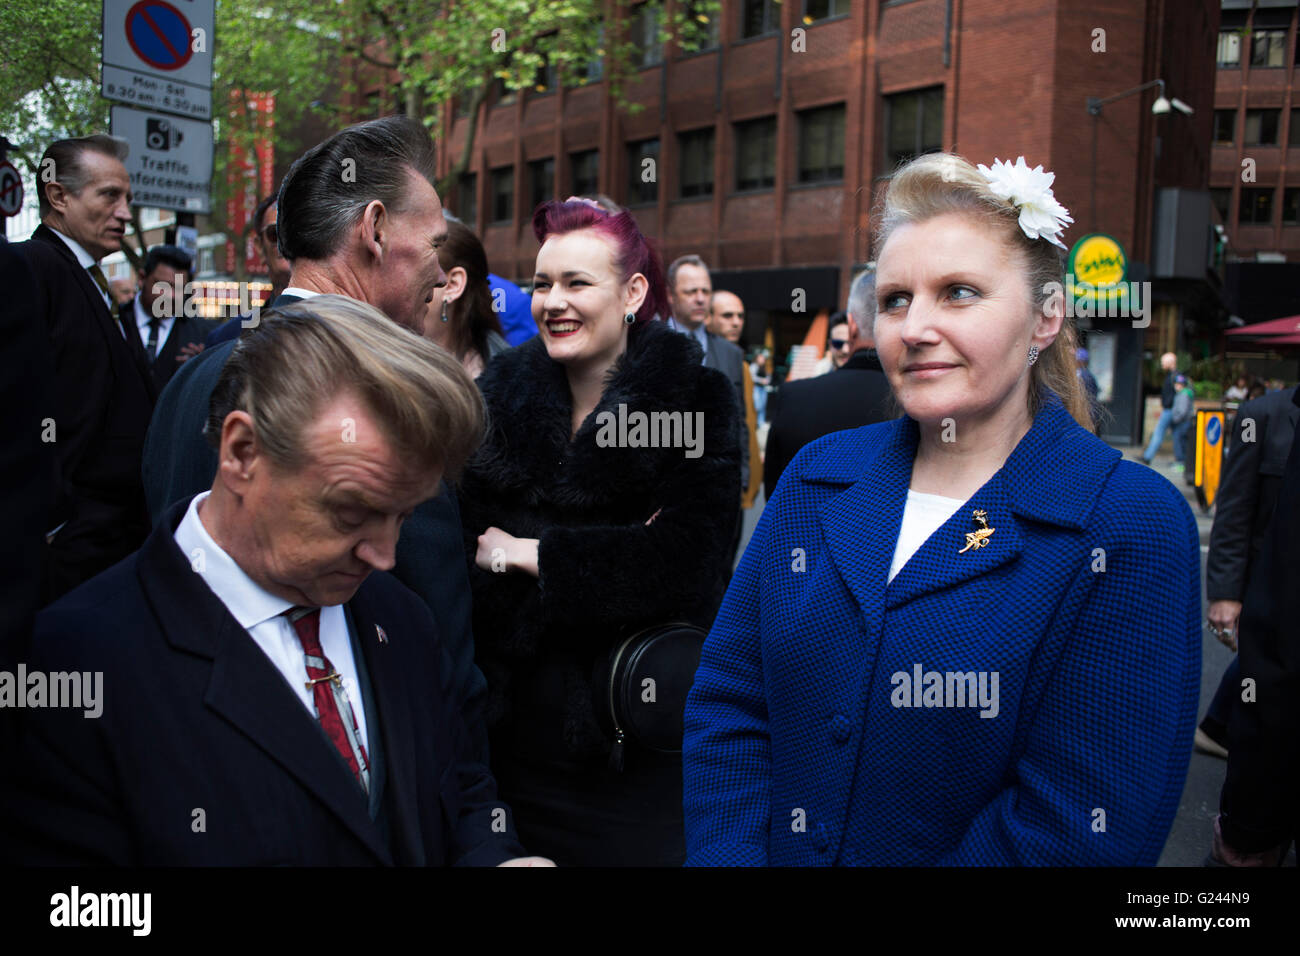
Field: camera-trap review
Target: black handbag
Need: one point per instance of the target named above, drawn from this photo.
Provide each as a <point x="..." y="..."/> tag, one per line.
<point x="646" y="682"/>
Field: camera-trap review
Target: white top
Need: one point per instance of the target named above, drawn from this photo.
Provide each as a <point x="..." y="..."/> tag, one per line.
<point x="165" y="323"/>
<point x="260" y="613"/>
<point x="300" y="293"/>
<point x="923" y="515"/>
<point x="85" y="260"/>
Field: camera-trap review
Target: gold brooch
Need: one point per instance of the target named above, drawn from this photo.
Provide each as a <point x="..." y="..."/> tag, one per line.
<point x="977" y="539"/>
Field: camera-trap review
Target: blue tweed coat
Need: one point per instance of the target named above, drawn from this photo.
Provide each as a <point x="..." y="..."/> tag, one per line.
<point x="1085" y="601"/>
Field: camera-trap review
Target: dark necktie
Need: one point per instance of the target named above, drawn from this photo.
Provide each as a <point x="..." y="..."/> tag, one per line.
<point x="151" y="348"/>
<point x="97" y="274"/>
<point x="332" y="705"/>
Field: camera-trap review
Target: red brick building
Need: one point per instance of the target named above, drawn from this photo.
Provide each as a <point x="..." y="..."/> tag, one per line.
<point x="770" y="149"/>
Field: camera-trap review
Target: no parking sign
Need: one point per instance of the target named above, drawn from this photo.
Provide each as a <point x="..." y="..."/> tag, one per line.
<point x="158" y="55"/>
<point x="11" y="190"/>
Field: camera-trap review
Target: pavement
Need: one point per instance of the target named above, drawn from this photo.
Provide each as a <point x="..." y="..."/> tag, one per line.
<point x="1189" y="839"/>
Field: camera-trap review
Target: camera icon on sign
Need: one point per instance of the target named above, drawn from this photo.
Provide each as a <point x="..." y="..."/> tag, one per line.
<point x="160" y="136"/>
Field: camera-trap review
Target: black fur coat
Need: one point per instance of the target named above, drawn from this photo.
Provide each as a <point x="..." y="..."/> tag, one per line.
<point x="603" y="571"/>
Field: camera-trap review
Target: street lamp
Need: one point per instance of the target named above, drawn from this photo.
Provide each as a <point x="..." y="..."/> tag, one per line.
<point x="1161" y="106"/>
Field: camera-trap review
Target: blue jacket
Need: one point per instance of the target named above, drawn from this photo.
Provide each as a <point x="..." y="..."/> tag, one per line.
<point x="1085" y="601"/>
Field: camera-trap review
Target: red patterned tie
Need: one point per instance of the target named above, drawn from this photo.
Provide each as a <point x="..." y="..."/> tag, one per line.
<point x="332" y="705"/>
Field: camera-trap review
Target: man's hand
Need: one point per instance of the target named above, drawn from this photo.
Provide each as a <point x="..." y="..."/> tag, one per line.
<point x="528" y="861"/>
<point x="1223" y="617"/>
<point x="188" y="351"/>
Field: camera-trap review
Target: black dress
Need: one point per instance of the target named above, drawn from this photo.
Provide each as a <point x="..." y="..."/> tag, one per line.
<point x="603" y="573"/>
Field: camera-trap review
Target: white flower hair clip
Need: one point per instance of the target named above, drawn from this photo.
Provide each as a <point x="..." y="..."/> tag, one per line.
<point x="1030" y="190"/>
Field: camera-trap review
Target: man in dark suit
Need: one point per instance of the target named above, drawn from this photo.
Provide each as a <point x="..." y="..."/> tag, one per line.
<point x="1262" y="437"/>
<point x="1259" y="808"/>
<point x="96" y="404"/>
<point x="375" y="255"/>
<point x="263" y="693"/>
<point x="690" y="292"/>
<point x="156" y="322"/>
<point x="857" y="393"/>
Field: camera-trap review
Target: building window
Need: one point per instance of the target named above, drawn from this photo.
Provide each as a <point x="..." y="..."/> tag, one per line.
<point x="706" y="22"/>
<point x="503" y="194"/>
<point x="758" y="17"/>
<point x="584" y="170"/>
<point x="1229" y="49"/>
<point x="643" y="30"/>
<point x="467" y="199"/>
<point x="814" y="10"/>
<point x="594" y="72"/>
<point x="1291" y="207"/>
<point x="914" y="125"/>
<point x="696" y="174"/>
<point x="1225" y="122"/>
<point x="544" y="80"/>
<point x="1222" y="199"/>
<point x="1256" y="207"/>
<point x="756" y="154"/>
<point x="1268" y="48"/>
<point x="821" y="144"/>
<point x="1261" y="127"/>
<point x="1293" y="134"/>
<point x="643" y="176"/>
<point x="502" y="95"/>
<point x="541" y="181"/>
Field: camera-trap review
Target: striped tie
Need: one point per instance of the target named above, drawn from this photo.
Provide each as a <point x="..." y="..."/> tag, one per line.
<point x="332" y="702"/>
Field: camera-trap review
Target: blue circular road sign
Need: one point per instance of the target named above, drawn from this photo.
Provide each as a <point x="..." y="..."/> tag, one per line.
<point x="159" y="34"/>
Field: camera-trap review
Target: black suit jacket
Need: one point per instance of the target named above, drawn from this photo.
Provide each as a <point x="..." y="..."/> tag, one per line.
<point x="196" y="717"/>
<point x="728" y="359"/>
<point x="1248" y="492"/>
<point x="178" y="463"/>
<point x="99" y="400"/>
<point x="185" y="330"/>
<point x="806" y="409"/>
<point x="1260" y="803"/>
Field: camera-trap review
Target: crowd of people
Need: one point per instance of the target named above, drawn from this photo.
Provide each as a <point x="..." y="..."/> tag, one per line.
<point x="395" y="572"/>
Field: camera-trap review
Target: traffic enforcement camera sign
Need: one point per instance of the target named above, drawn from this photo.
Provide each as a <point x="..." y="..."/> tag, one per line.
<point x="170" y="163"/>
<point x="158" y="55"/>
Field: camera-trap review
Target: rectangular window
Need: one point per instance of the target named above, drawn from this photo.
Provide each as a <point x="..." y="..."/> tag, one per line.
<point x="1222" y="199"/>
<point x="759" y="17"/>
<point x="913" y="125"/>
<point x="584" y="170"/>
<point x="1225" y="123"/>
<point x="756" y="154"/>
<point x="1268" y="48"/>
<point x="1291" y="206"/>
<point x="1229" y="56"/>
<point x="696" y="174"/>
<point x="502" y="95"/>
<point x="814" y="10"/>
<point x="705" y="22"/>
<point x="595" y="70"/>
<point x="467" y="199"/>
<point x="643" y="172"/>
<point x="1256" y="207"/>
<point x="821" y="144"/>
<point x="643" y="31"/>
<point x="503" y="194"/>
<point x="541" y="181"/>
<point x="1261" y="127"/>
<point x="1293" y="134"/>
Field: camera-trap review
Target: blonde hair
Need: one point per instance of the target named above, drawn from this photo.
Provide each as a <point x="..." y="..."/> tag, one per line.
<point x="939" y="183"/>
<point x="298" y="357"/>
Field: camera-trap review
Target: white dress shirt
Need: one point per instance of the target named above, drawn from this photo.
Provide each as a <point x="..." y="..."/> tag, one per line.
<point x="261" y="614"/>
<point x="142" y="322"/>
<point x="300" y="293"/>
<point x="923" y="515"/>
<point x="86" y="260"/>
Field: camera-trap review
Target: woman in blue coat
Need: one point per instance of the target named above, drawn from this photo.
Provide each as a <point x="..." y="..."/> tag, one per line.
<point x="970" y="635"/>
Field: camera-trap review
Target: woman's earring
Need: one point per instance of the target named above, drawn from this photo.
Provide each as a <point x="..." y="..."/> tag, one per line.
<point x="629" y="318"/>
<point x="444" y="310"/>
<point x="1033" y="354"/>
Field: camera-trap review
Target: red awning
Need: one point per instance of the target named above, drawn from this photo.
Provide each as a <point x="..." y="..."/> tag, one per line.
<point x="1287" y="326"/>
